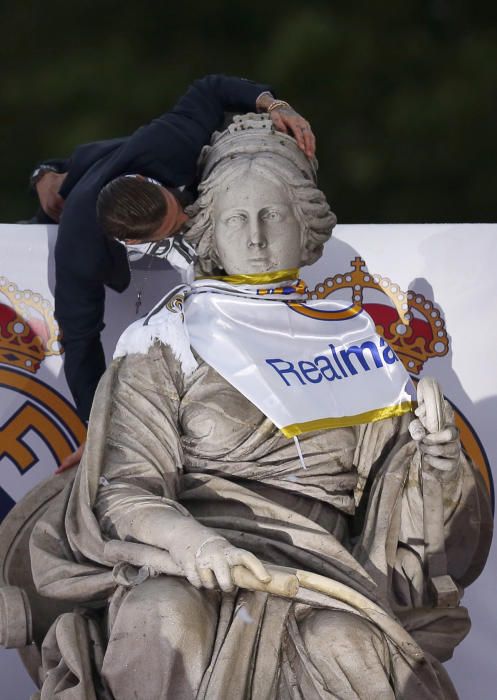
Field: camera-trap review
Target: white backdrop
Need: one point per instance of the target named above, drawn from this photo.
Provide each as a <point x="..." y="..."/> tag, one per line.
<point x="450" y="266"/>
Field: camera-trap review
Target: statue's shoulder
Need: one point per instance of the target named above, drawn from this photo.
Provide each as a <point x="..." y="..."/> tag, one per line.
<point x="164" y="324"/>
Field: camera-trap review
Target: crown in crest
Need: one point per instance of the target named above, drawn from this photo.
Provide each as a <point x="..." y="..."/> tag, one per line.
<point x="413" y="326"/>
<point x="28" y="330"/>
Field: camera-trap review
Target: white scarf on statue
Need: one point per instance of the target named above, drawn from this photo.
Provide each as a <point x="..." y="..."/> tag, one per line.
<point x="307" y="365"/>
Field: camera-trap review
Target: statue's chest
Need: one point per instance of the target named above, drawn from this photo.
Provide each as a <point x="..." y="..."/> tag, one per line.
<point x="219" y="424"/>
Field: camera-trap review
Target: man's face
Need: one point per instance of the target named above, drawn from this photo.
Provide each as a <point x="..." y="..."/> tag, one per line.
<point x="256" y="229"/>
<point x="173" y="221"/>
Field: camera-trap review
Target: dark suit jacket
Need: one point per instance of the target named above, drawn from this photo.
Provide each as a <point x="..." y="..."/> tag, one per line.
<point x="167" y="150"/>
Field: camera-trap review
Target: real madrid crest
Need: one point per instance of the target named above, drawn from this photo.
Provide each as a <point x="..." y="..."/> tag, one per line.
<point x="38" y="426"/>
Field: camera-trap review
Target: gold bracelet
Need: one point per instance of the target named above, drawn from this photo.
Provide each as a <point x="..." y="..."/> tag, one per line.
<point x="278" y="104"/>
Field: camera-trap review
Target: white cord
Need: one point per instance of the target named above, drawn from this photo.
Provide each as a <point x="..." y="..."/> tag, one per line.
<point x="299" y="451"/>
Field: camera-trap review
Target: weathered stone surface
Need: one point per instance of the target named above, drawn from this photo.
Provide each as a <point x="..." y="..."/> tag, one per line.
<point x="199" y="560"/>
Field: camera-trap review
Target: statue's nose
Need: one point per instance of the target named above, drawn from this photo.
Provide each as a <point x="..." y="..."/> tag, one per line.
<point x="257" y="237"/>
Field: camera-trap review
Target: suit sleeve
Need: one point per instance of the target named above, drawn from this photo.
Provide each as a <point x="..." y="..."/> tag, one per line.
<point x="79" y="309"/>
<point x="83" y="158"/>
<point x="176" y="138"/>
<point x="79" y="300"/>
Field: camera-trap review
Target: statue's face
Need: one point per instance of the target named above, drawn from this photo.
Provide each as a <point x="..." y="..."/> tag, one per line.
<point x="256" y="229"/>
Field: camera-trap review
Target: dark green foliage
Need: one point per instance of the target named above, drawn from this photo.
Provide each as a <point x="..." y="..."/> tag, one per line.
<point x="402" y="95"/>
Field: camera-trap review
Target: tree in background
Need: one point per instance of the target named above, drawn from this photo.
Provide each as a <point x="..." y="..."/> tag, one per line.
<point x="402" y="95"/>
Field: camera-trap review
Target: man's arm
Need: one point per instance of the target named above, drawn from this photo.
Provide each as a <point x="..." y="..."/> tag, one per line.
<point x="79" y="309"/>
<point x="84" y="262"/>
<point x="54" y="179"/>
<point x="240" y="95"/>
<point x="170" y="145"/>
<point x="47" y="188"/>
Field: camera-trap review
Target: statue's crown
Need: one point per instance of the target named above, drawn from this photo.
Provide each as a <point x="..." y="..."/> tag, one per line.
<point x="254" y="134"/>
<point x="413" y="326"/>
<point x="28" y="331"/>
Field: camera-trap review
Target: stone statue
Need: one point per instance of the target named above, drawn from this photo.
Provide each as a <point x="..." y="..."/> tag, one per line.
<point x="199" y="552"/>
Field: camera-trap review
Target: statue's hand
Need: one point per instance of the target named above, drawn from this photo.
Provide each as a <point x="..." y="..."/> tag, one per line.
<point x="206" y="559"/>
<point x="441" y="449"/>
<point x="215" y="559"/>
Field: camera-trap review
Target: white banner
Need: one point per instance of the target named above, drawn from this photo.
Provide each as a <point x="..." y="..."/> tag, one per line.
<point x="427" y="287"/>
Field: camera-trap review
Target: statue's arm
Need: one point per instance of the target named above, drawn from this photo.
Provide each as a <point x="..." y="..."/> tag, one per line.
<point x="137" y="496"/>
<point x="394" y="526"/>
<point x="140" y="460"/>
<point x="445" y="517"/>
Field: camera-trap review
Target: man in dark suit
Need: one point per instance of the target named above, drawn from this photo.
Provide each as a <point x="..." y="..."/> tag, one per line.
<point x="163" y="156"/>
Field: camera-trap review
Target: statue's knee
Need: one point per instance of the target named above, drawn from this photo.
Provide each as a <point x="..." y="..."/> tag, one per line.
<point x="341" y="629"/>
<point x="164" y="624"/>
<point x="168" y="606"/>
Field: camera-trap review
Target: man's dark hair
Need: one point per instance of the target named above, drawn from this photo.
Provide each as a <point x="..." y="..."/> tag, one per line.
<point x="130" y="207"/>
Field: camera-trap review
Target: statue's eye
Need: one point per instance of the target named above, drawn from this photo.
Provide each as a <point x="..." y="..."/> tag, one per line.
<point x="272" y="215"/>
<point x="236" y="219"/>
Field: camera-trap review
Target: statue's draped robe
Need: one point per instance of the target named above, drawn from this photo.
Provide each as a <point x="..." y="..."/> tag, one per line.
<point x="158" y="439"/>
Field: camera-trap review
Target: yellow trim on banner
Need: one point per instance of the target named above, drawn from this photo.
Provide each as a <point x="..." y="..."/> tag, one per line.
<point x="325" y="315"/>
<point x="294" y="429"/>
<point x="259" y="278"/>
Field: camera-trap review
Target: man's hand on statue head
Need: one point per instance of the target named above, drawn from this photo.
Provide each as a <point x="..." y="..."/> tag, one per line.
<point x="289" y="121"/>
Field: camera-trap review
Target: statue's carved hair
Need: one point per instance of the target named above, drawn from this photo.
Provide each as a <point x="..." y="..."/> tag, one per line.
<point x="310" y="206"/>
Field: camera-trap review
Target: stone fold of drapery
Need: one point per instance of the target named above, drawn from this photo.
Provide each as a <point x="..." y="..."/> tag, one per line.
<point x="148" y="449"/>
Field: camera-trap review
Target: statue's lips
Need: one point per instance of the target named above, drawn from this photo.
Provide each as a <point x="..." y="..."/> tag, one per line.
<point x="257" y="259"/>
